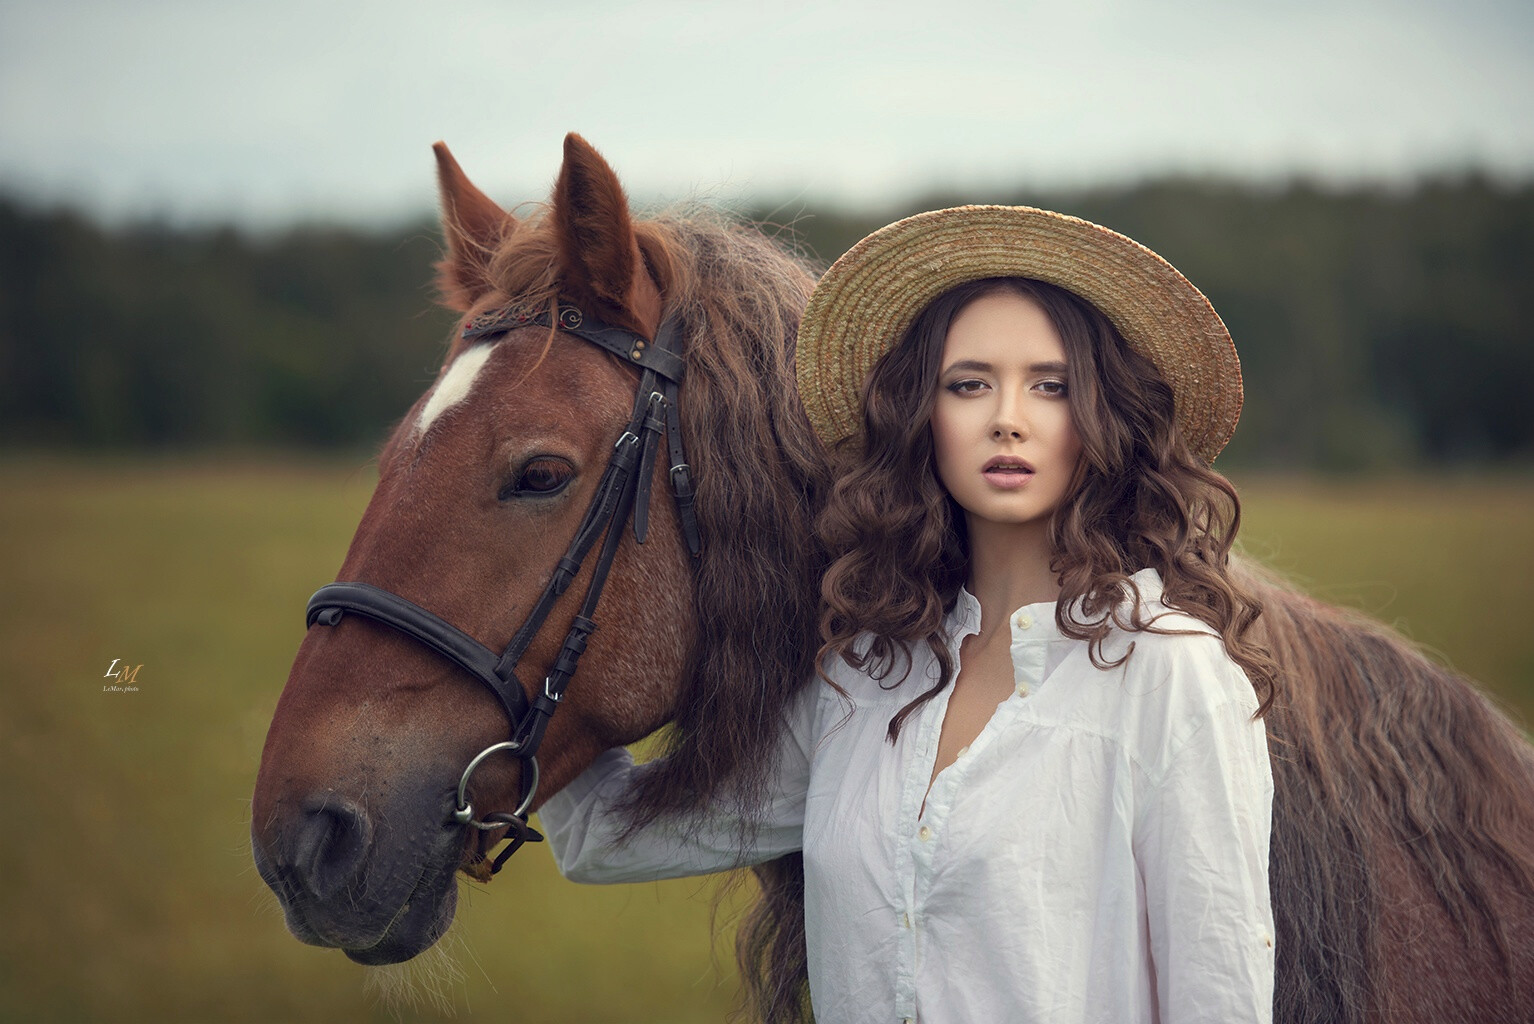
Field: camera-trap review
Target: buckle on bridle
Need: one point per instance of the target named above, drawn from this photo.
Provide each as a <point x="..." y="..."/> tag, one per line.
<point x="681" y="480"/>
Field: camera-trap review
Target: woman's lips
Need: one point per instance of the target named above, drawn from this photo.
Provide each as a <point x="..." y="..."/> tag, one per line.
<point x="1007" y="473"/>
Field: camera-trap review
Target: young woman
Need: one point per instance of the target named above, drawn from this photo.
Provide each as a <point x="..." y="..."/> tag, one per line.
<point x="1032" y="783"/>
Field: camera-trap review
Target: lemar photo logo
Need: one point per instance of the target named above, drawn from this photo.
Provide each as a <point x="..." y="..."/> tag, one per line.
<point x="125" y="676"/>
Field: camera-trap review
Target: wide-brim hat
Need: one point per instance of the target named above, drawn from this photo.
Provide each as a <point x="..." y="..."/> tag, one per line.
<point x="869" y="298"/>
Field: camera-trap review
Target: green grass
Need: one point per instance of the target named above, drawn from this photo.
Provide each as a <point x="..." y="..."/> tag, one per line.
<point x="129" y="892"/>
<point x="1447" y="563"/>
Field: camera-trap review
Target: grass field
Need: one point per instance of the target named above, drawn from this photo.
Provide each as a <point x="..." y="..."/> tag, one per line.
<point x="129" y="892"/>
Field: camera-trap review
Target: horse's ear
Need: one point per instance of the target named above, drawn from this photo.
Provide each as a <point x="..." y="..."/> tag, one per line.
<point x="474" y="227"/>
<point x="600" y="265"/>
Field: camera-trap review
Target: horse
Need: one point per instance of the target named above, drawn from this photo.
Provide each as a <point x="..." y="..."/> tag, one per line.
<point x="1402" y="855"/>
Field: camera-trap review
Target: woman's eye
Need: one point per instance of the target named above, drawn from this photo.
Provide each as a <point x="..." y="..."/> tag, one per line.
<point x="540" y="477"/>
<point x="1054" y="388"/>
<point x="967" y="386"/>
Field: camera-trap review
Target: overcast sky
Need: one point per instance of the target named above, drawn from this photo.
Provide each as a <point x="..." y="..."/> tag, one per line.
<point x="270" y="110"/>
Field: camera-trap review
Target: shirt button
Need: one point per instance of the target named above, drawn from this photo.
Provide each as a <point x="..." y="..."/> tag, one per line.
<point x="1023" y="621"/>
<point x="924" y="834"/>
<point x="961" y="753"/>
<point x="1022" y="689"/>
<point x="905" y="920"/>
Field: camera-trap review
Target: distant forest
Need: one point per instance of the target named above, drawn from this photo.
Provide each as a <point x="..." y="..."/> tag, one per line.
<point x="1376" y="328"/>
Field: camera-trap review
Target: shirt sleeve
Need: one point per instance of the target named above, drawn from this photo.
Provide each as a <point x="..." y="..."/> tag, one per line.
<point x="584" y="829"/>
<point x="1203" y="856"/>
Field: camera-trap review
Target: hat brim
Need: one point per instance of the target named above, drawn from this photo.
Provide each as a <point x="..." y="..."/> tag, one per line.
<point x="869" y="298"/>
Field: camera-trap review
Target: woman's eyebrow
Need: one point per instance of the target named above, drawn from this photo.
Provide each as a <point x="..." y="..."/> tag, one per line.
<point x="978" y="366"/>
<point x="974" y="365"/>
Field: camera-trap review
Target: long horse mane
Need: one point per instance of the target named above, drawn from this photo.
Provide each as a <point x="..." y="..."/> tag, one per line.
<point x="758" y="591"/>
<point x="1391" y="774"/>
<point x="760" y="474"/>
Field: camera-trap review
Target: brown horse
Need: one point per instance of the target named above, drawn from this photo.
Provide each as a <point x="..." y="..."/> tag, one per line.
<point x="1403" y="835"/>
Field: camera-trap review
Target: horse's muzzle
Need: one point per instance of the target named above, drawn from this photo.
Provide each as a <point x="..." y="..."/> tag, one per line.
<point x="381" y="902"/>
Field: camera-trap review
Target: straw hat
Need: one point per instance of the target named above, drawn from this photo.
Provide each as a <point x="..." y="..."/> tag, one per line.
<point x="867" y="300"/>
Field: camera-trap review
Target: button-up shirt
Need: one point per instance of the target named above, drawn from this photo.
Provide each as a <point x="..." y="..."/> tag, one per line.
<point x="1098" y="853"/>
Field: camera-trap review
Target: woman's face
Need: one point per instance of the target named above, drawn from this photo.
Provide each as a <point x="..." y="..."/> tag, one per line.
<point x="1002" y="434"/>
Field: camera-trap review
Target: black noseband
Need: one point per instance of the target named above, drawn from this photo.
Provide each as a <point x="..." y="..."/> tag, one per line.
<point x="624" y="487"/>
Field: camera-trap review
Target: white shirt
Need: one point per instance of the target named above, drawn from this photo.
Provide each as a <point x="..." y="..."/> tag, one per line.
<point x="1098" y="853"/>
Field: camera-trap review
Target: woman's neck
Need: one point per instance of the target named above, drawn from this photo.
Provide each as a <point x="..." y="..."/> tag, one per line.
<point x="1009" y="567"/>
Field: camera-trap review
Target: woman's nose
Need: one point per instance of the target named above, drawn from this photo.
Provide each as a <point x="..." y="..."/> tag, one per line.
<point x="1009" y="421"/>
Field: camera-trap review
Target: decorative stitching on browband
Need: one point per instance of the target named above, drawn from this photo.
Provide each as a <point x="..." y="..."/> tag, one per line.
<point x="509" y="318"/>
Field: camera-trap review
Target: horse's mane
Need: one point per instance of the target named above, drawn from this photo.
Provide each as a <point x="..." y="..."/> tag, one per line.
<point x="1391" y="773"/>
<point x="760" y="473"/>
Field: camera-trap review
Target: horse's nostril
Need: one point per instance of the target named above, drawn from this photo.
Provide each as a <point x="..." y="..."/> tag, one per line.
<point x="331" y="843"/>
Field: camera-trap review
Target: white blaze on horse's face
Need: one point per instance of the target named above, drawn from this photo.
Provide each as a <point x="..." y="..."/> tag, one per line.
<point x="454" y="386"/>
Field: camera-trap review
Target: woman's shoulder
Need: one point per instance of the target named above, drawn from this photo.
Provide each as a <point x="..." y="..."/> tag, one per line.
<point x="1183" y="656"/>
<point x="1177" y="670"/>
<point x="1145" y="617"/>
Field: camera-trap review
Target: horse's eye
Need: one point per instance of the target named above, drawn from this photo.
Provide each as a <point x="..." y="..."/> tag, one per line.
<point x="541" y="477"/>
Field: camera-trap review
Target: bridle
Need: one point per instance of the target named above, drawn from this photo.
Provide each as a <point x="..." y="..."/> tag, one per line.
<point x="625" y="485"/>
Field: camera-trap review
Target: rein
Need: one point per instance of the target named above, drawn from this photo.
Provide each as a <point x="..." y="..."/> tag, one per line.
<point x="624" y="488"/>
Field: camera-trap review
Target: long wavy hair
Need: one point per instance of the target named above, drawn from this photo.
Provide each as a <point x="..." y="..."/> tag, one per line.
<point x="1139" y="499"/>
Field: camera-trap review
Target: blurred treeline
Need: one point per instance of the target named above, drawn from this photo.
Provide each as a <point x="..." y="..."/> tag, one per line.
<point x="1376" y="328"/>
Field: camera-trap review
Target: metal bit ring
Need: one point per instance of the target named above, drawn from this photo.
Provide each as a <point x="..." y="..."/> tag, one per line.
<point x="464" y="813"/>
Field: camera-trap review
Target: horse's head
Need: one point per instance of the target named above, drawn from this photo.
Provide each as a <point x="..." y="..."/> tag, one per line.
<point x="482" y="488"/>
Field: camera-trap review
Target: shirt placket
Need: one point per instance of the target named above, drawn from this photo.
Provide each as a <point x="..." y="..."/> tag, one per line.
<point x="1030" y="645"/>
<point x="917" y="845"/>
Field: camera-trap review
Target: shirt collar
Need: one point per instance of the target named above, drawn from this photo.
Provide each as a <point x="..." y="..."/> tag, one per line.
<point x="964" y="619"/>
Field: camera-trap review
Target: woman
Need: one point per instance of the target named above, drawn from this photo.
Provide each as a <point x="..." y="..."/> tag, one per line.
<point x="1034" y="785"/>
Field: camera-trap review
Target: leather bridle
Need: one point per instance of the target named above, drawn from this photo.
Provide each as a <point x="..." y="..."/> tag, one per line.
<point x="625" y="486"/>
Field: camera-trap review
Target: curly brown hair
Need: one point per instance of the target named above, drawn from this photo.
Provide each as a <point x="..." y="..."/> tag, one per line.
<point x="1140" y="499"/>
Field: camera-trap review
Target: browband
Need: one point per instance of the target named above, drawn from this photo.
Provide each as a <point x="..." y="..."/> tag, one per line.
<point x="617" y="340"/>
